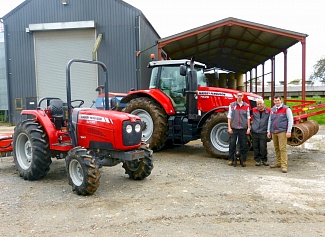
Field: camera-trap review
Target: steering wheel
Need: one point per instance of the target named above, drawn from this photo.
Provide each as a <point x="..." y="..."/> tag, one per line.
<point x="81" y="102"/>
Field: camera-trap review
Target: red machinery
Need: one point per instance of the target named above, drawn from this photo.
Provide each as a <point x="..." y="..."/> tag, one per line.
<point x="180" y="105"/>
<point x="304" y="129"/>
<point x="5" y="144"/>
<point x="86" y="138"/>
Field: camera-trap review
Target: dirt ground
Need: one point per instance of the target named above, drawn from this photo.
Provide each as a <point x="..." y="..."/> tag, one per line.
<point x="187" y="194"/>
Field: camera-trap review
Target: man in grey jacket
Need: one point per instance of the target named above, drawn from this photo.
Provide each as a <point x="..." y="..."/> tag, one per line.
<point x="279" y="128"/>
<point x="260" y="118"/>
<point x="238" y="127"/>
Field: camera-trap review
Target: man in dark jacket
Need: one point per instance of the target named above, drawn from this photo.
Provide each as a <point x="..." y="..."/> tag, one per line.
<point x="238" y="127"/>
<point x="260" y="120"/>
<point x="279" y="127"/>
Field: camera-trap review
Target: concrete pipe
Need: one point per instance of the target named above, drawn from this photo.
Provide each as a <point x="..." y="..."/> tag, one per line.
<point x="241" y="88"/>
<point x="231" y="75"/>
<point x="240" y="79"/>
<point x="232" y="84"/>
<point x="223" y="80"/>
<point x="212" y="79"/>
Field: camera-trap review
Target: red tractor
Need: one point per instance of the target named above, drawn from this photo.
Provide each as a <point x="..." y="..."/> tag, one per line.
<point x="87" y="138"/>
<point x="179" y="107"/>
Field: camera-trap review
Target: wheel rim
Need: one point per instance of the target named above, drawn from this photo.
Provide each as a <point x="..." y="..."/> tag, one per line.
<point x="76" y="172"/>
<point x="24" y="152"/>
<point x="220" y="137"/>
<point x="147" y="121"/>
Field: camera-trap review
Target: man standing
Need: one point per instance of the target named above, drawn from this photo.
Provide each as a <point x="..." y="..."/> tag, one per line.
<point x="238" y="127"/>
<point x="259" y="125"/>
<point x="280" y="125"/>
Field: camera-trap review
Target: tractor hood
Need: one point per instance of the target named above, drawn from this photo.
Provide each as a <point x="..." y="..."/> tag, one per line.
<point x="107" y="129"/>
<point x="104" y="117"/>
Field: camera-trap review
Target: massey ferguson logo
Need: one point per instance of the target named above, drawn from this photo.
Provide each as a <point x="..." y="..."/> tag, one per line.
<point x="214" y="93"/>
<point x="92" y="119"/>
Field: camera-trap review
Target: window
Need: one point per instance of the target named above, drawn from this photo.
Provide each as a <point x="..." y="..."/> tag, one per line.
<point x="18" y="104"/>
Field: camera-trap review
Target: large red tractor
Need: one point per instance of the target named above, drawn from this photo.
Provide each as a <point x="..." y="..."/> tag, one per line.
<point x="87" y="138"/>
<point x="179" y="107"/>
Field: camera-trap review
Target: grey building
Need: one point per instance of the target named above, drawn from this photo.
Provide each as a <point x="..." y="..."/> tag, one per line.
<point x="3" y="81"/>
<point x="41" y="36"/>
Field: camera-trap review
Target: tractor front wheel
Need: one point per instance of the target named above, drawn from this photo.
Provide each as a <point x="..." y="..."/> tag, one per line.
<point x="154" y="121"/>
<point x="139" y="169"/>
<point x="83" y="172"/>
<point x="215" y="136"/>
<point x="31" y="150"/>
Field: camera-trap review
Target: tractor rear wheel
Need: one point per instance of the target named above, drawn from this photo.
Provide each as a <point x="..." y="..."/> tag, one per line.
<point x="31" y="150"/>
<point x="215" y="136"/>
<point x="83" y="172"/>
<point x="154" y="119"/>
<point x="139" y="169"/>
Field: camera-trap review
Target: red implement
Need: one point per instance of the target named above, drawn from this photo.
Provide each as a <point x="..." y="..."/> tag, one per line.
<point x="5" y="143"/>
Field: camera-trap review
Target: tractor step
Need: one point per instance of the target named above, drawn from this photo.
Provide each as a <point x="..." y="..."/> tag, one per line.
<point x="63" y="144"/>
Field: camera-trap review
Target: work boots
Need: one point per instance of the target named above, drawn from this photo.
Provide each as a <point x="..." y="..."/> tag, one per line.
<point x="275" y="166"/>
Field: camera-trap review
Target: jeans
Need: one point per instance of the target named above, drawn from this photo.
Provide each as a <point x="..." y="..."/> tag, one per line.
<point x="242" y="140"/>
<point x="260" y="146"/>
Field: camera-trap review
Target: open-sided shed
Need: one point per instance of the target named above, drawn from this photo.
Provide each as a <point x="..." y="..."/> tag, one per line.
<point x="234" y="45"/>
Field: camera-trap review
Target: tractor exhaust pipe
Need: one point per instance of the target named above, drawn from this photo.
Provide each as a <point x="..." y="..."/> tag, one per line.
<point x="191" y="98"/>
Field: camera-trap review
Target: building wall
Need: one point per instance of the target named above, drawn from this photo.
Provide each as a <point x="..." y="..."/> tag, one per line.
<point x="147" y="45"/>
<point x="3" y="78"/>
<point x="115" y="20"/>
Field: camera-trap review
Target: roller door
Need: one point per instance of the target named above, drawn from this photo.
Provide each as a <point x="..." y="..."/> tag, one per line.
<point x="53" y="50"/>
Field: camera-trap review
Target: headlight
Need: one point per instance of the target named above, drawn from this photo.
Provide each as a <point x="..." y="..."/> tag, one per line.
<point x="137" y="128"/>
<point x="128" y="128"/>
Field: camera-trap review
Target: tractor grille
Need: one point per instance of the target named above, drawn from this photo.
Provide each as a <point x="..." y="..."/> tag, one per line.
<point x="132" y="138"/>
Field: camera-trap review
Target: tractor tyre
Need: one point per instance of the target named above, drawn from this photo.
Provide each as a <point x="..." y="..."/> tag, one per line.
<point x="215" y="136"/>
<point x="154" y="119"/>
<point x="139" y="169"/>
<point x="31" y="151"/>
<point x="83" y="172"/>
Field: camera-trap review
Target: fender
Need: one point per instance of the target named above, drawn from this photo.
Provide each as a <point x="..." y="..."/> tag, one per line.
<point x="208" y="114"/>
<point x="155" y="94"/>
<point x="44" y="120"/>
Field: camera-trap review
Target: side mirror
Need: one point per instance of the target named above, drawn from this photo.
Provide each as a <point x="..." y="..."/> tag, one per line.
<point x="113" y="103"/>
<point x="182" y="70"/>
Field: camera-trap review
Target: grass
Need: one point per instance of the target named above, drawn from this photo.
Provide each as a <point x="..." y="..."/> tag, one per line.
<point x="320" y="119"/>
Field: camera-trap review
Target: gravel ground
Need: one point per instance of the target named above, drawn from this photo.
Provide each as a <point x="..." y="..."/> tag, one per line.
<point x="187" y="194"/>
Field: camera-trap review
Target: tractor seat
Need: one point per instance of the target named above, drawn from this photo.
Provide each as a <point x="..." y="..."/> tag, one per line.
<point x="56" y="111"/>
<point x="56" y="108"/>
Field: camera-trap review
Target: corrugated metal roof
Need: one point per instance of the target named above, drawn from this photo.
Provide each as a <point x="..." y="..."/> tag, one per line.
<point x="231" y="44"/>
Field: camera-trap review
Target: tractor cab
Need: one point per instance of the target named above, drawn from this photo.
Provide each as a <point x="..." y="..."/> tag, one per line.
<point x="167" y="77"/>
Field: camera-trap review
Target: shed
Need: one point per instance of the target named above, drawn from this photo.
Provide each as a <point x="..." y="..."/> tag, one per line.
<point x="41" y="36"/>
<point x="234" y="45"/>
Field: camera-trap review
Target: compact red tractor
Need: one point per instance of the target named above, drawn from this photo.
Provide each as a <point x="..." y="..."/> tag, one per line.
<point x="180" y="106"/>
<point x="86" y="138"/>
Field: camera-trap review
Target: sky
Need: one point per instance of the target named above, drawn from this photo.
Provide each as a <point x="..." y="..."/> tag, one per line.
<point x="170" y="17"/>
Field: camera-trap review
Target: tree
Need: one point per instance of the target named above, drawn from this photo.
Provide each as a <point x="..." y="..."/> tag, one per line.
<point x="319" y="71"/>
